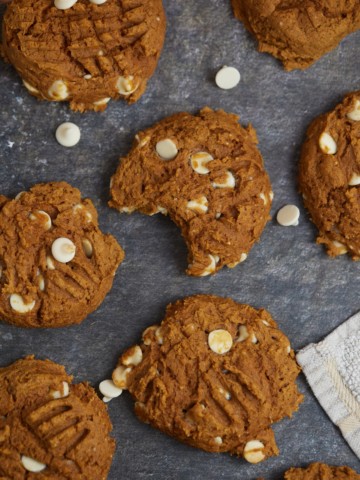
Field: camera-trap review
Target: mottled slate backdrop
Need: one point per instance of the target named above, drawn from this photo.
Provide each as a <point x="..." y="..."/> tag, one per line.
<point x="307" y="293"/>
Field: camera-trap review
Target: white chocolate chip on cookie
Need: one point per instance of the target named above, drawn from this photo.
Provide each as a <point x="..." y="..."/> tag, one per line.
<point x="199" y="160"/>
<point x="126" y="85"/>
<point x="17" y="303"/>
<point x="214" y="259"/>
<point x="119" y="376"/>
<point x="68" y="134"/>
<point x="288" y="216"/>
<point x="98" y="2"/>
<point x="102" y="101"/>
<point x="327" y="144"/>
<point x="63" y="393"/>
<point x="29" y="87"/>
<point x="229" y="181"/>
<point x="243" y="334"/>
<point x="355" y="113"/>
<point x="218" y="440"/>
<point x="354" y="180"/>
<point x="87" y="247"/>
<point x="32" y="465"/>
<point x="133" y="356"/>
<point x="166" y="149"/>
<point x="254" y="451"/>
<point x="199" y="206"/>
<point x="63" y="250"/>
<point x="41" y="217"/>
<point x="220" y="341"/>
<point x="340" y="247"/>
<point x="58" y="90"/>
<point x="49" y="263"/>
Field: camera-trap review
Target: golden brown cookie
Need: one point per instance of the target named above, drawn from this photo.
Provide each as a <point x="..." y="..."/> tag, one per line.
<point x="87" y="54"/>
<point x="298" y="32"/>
<point x="206" y="172"/>
<point x="56" y="265"/>
<point x="330" y="177"/>
<point x="214" y="374"/>
<point x="49" y="427"/>
<point x="320" y="471"/>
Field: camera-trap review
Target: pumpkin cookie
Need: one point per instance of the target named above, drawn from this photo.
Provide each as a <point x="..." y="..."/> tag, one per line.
<point x="214" y="374"/>
<point x="320" y="471"/>
<point x="298" y="32"/>
<point x="49" y="427"/>
<point x="56" y="266"/>
<point x="206" y="172"/>
<point x="84" y="52"/>
<point x="330" y="177"/>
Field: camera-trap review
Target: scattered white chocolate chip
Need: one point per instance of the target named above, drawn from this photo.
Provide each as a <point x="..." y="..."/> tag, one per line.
<point x="199" y="160"/>
<point x="227" y="78"/>
<point x="288" y="349"/>
<point x="17" y="303"/>
<point x="263" y="198"/>
<point x="133" y="356"/>
<point x="102" y="101"/>
<point x="214" y="259"/>
<point x="327" y="144"/>
<point x="32" y="465"/>
<point x="288" y="216"/>
<point x="30" y="87"/>
<point x="88" y="76"/>
<point x="109" y="389"/>
<point x="229" y="181"/>
<point x="271" y="196"/>
<point x="267" y="324"/>
<point x="49" y="263"/>
<point x="126" y="85"/>
<point x="63" y="394"/>
<point x="41" y="282"/>
<point x="226" y="394"/>
<point x="243" y="333"/>
<point x="220" y="341"/>
<point x="43" y="217"/>
<point x="147" y="334"/>
<point x="242" y="258"/>
<point x="253" y="338"/>
<point x="253" y="451"/>
<point x="63" y="250"/>
<point x="106" y="399"/>
<point x="19" y="195"/>
<point x="127" y="209"/>
<point x="98" y="2"/>
<point x="87" y="247"/>
<point x="199" y="206"/>
<point x="355" y="114"/>
<point x="58" y="90"/>
<point x="340" y="246"/>
<point x="68" y="134"/>
<point x="158" y="336"/>
<point x="161" y="210"/>
<point x="142" y="141"/>
<point x="166" y="149"/>
<point x="119" y="376"/>
<point x="217" y="215"/>
<point x="354" y="180"/>
<point x="218" y="440"/>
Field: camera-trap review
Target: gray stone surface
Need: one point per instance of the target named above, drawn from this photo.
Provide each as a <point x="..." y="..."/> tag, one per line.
<point x="308" y="293"/>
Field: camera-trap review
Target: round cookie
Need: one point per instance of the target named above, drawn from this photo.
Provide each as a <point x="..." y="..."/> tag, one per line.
<point x="56" y="266"/>
<point x="298" y="32"/>
<point x="206" y="173"/>
<point x="330" y="177"/>
<point x="87" y="54"/>
<point x="320" y="471"/>
<point x="50" y="428"/>
<point x="214" y="374"/>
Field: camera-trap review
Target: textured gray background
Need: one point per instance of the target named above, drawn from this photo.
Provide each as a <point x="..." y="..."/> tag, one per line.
<point x="308" y="293"/>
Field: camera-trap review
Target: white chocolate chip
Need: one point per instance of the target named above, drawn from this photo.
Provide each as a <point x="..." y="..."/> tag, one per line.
<point x="158" y="336"/>
<point x="32" y="465"/>
<point x="68" y="134"/>
<point x="199" y="206"/>
<point x="88" y="76"/>
<point x="63" y="250"/>
<point x="133" y="356"/>
<point x="218" y="440"/>
<point x="217" y="215"/>
<point x="109" y="389"/>
<point x="161" y="210"/>
<point x="227" y="78"/>
<point x="355" y="114"/>
<point x="288" y="349"/>
<point x="98" y="2"/>
<point x="263" y="198"/>
<point x="142" y="141"/>
<point x="243" y="333"/>
<point x="214" y="259"/>
<point x="253" y="338"/>
<point x="41" y="282"/>
<point x="166" y="149"/>
<point x="19" y="195"/>
<point x="126" y="85"/>
<point x="49" y="263"/>
<point x="229" y="181"/>
<point x="147" y="334"/>
<point x="327" y="144"/>
<point x="220" y="341"/>
<point x="127" y="209"/>
<point x="119" y="376"/>
<point x="199" y="161"/>
<point x="354" y="180"/>
<point x="340" y="246"/>
<point x="271" y="195"/>
<point x="17" y="303"/>
<point x="288" y="216"/>
<point x="87" y="247"/>
<point x="106" y="399"/>
<point x="253" y="451"/>
<point x="80" y="206"/>
<point x="58" y="90"/>
<point x="267" y="324"/>
<point x="102" y="101"/>
<point x="30" y="87"/>
<point x="65" y="391"/>
<point x="43" y="217"/>
<point x="226" y="394"/>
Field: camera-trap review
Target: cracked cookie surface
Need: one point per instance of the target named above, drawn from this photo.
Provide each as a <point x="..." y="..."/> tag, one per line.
<point x="320" y="471"/>
<point x="214" y="374"/>
<point x="49" y="427"/>
<point x="298" y="32"/>
<point x="56" y="266"/>
<point x="330" y="177"/>
<point x="206" y="172"/>
<point x="87" y="54"/>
